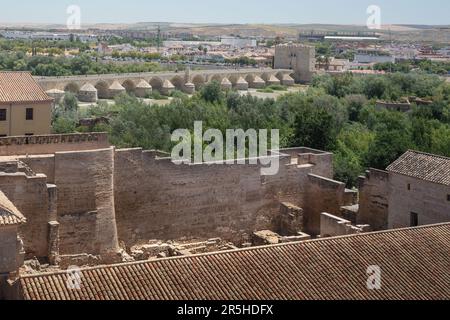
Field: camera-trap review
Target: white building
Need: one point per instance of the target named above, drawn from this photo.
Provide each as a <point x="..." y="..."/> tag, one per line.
<point x="238" y="42"/>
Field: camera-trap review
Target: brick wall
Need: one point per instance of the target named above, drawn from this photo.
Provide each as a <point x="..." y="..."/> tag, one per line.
<point x="86" y="201"/>
<point x="30" y="196"/>
<point x="373" y="199"/>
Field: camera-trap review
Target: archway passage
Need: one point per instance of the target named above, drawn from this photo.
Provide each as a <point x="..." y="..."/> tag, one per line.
<point x="217" y="78"/>
<point x="102" y="89"/>
<point x="199" y="81"/>
<point x="129" y="86"/>
<point x="156" y="84"/>
<point x="178" y="82"/>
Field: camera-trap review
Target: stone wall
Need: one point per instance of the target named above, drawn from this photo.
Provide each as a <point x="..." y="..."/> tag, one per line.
<point x="158" y="199"/>
<point x="86" y="202"/>
<point x="333" y="226"/>
<point x="49" y="144"/>
<point x="373" y="199"/>
<point x="105" y="196"/>
<point x="324" y="195"/>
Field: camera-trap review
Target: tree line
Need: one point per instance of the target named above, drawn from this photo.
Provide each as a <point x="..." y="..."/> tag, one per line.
<point x="337" y="113"/>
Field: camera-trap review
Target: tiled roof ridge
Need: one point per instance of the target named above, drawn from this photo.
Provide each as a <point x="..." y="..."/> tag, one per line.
<point x="254" y="249"/>
<point x="428" y="154"/>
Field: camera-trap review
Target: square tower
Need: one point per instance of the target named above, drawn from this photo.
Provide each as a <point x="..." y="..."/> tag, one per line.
<point x="297" y="57"/>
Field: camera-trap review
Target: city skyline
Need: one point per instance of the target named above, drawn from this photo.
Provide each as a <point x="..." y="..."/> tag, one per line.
<point x="354" y="12"/>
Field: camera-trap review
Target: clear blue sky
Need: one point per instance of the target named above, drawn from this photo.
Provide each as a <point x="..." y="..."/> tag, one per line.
<point x="228" y="11"/>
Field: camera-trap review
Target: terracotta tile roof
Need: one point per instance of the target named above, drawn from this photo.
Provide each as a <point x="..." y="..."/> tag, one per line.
<point x="423" y="166"/>
<point x="20" y="87"/>
<point x="415" y="264"/>
<point x="9" y="215"/>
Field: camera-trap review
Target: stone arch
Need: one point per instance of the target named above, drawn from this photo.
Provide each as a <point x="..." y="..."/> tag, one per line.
<point x="129" y="85"/>
<point x="72" y="87"/>
<point x="280" y="75"/>
<point x="233" y="79"/>
<point x="178" y="82"/>
<point x="102" y="89"/>
<point x="250" y="78"/>
<point x="199" y="81"/>
<point x="156" y="83"/>
<point x="217" y="78"/>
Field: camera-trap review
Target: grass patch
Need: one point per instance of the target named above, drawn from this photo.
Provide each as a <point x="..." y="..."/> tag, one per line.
<point x="155" y="95"/>
<point x="272" y="88"/>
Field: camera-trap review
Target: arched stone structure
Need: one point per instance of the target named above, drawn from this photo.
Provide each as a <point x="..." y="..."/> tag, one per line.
<point x="178" y="83"/>
<point x="266" y="76"/>
<point x="217" y="78"/>
<point x="143" y="89"/>
<point x="189" y="88"/>
<point x="157" y="84"/>
<point x="115" y="89"/>
<point x="102" y="89"/>
<point x="167" y="88"/>
<point x="88" y="93"/>
<point x="273" y="80"/>
<point x="226" y="84"/>
<point x="255" y="81"/>
<point x="156" y="80"/>
<point x="241" y="84"/>
<point x="129" y="86"/>
<point x="199" y="81"/>
<point x="233" y="79"/>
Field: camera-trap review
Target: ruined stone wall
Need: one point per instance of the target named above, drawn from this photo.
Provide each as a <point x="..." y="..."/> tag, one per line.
<point x="428" y="200"/>
<point x="108" y="195"/>
<point x="86" y="202"/>
<point x="41" y="164"/>
<point x="8" y="249"/>
<point x="324" y="195"/>
<point x="156" y="199"/>
<point x="30" y="196"/>
<point x="373" y="199"/>
<point x="333" y="226"/>
<point x="49" y="144"/>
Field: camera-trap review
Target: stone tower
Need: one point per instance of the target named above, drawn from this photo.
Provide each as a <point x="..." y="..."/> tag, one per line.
<point x="297" y="57"/>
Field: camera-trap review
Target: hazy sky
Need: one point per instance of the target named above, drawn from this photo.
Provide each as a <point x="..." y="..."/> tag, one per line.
<point x="228" y="11"/>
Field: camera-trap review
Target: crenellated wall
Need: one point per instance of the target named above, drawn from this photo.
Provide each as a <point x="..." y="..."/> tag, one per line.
<point x="105" y="196"/>
<point x="49" y="144"/>
<point x="157" y="199"/>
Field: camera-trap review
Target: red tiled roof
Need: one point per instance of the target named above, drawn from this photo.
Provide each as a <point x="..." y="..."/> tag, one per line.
<point x="9" y="215"/>
<point x="20" y="87"/>
<point x="415" y="264"/>
<point x="423" y="166"/>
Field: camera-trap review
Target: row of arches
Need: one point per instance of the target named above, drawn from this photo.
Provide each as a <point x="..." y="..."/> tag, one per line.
<point x="178" y="82"/>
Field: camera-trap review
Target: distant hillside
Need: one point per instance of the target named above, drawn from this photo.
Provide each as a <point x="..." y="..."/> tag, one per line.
<point x="395" y="32"/>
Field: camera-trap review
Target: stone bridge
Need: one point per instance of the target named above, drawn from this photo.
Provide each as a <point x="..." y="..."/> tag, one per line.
<point x="90" y="87"/>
